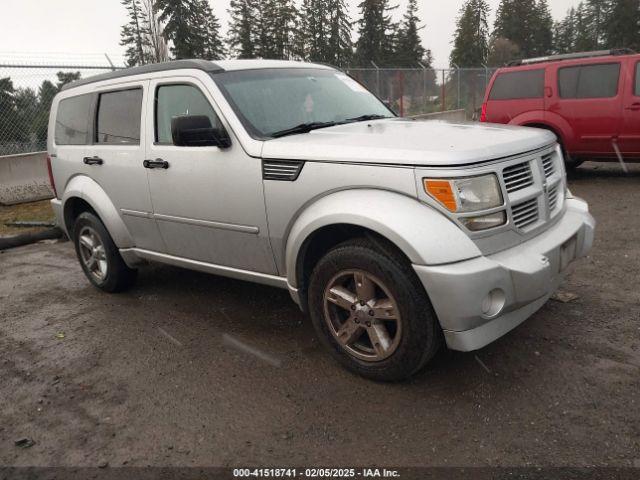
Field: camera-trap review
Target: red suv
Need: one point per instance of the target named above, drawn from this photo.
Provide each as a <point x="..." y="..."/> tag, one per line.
<point x="591" y="101"/>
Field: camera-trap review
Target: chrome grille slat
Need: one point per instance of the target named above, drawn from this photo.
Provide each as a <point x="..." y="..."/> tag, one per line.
<point x="553" y="198"/>
<point x="517" y="177"/>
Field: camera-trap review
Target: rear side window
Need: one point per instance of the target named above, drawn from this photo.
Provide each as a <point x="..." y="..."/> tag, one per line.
<point x="119" y="117"/>
<point x="589" y="81"/>
<point x="637" y="89"/>
<point x="176" y="100"/>
<point x="518" y="85"/>
<point x="72" y="121"/>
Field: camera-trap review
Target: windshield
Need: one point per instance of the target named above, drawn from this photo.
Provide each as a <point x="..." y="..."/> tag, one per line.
<point x="272" y="101"/>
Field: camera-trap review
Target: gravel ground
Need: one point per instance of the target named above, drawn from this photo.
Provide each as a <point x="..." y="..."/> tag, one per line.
<point x="159" y="375"/>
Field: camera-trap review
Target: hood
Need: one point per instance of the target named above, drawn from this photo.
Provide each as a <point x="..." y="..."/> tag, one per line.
<point x="409" y="142"/>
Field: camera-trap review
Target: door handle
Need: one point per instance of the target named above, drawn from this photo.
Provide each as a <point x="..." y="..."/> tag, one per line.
<point x="157" y="163"/>
<point x="92" y="161"/>
<point x="634" y="106"/>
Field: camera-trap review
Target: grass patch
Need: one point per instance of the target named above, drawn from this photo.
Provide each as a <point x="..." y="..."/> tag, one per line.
<point x="25" y="212"/>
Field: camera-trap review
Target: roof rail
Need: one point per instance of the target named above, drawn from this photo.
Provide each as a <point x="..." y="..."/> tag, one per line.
<point x="204" y="65"/>
<point x="572" y="56"/>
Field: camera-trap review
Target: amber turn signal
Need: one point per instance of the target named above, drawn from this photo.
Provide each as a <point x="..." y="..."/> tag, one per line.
<point x="441" y="190"/>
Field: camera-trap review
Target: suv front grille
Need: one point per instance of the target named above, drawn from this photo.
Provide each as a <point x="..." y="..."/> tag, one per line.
<point x="517" y="177"/>
<point x="547" y="165"/>
<point x="525" y="213"/>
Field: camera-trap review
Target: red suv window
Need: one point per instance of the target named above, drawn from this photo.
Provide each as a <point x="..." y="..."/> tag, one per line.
<point x="518" y="85"/>
<point x="589" y="81"/>
<point x="637" y="90"/>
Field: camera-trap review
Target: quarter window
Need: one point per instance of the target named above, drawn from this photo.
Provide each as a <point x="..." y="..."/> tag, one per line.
<point x="589" y="81"/>
<point x="119" y="117"/>
<point x="518" y="85"/>
<point x="637" y="89"/>
<point x="72" y="120"/>
<point x="176" y="100"/>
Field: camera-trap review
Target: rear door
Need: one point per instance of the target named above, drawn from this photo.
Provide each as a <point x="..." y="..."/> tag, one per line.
<point x="514" y="93"/>
<point x="115" y="158"/>
<point x="589" y="98"/>
<point x="629" y="139"/>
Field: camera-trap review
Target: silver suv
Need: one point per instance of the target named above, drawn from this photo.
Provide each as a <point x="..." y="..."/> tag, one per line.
<point x="396" y="236"/>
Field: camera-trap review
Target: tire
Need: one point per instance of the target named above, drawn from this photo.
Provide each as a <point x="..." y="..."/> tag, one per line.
<point x="411" y="340"/>
<point x="99" y="257"/>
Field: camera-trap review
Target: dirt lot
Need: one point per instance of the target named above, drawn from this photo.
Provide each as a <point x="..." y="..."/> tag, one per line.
<point x="155" y="376"/>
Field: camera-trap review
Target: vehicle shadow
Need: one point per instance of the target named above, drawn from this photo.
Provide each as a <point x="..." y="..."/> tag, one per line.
<point x="612" y="170"/>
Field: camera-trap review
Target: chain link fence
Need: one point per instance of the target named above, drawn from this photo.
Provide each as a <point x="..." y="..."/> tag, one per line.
<point x="28" y="84"/>
<point x="415" y="91"/>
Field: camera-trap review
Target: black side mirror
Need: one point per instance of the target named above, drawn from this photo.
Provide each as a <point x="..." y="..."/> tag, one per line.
<point x="197" y="131"/>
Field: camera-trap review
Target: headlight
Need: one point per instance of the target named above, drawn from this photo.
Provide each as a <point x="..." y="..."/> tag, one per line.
<point x="463" y="195"/>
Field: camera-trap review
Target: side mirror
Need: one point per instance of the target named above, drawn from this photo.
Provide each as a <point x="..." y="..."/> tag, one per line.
<point x="197" y="131"/>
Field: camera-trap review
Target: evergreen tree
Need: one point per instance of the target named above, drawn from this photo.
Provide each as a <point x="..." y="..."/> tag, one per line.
<point x="325" y="32"/>
<point x="526" y="23"/>
<point x="622" y="29"/>
<point x="409" y="49"/>
<point x="134" y="35"/>
<point x="8" y="112"/>
<point x="377" y="33"/>
<point x="314" y="22"/>
<point x="211" y="44"/>
<point x="541" y="30"/>
<point x="596" y="17"/>
<point x="176" y="16"/>
<point x="470" y="44"/>
<point x="340" y="45"/>
<point x="584" y="41"/>
<point x="240" y="39"/>
<point x="279" y="24"/>
<point x="564" y="33"/>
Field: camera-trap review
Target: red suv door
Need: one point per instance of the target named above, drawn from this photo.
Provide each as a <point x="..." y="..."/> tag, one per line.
<point x="629" y="139"/>
<point x="589" y="97"/>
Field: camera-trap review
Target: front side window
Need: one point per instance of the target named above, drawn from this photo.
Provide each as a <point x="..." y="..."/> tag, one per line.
<point x="270" y="101"/>
<point x="72" y="121"/>
<point x="119" y="117"/>
<point x="178" y="100"/>
<point x="518" y="85"/>
<point x="589" y="81"/>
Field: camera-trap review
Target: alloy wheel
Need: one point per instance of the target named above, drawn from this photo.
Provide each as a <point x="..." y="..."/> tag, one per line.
<point x="362" y="315"/>
<point x="93" y="253"/>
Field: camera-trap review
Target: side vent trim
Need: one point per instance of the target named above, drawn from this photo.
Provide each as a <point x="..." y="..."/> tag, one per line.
<point x="282" y="170"/>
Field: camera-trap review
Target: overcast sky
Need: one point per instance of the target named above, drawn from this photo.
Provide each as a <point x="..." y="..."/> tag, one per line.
<point x="93" y="26"/>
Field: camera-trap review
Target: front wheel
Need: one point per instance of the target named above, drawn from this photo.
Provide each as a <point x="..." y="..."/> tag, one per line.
<point x="99" y="256"/>
<point x="369" y="309"/>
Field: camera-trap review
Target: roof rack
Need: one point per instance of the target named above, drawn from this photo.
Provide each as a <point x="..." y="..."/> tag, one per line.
<point x="572" y="56"/>
<point x="204" y="65"/>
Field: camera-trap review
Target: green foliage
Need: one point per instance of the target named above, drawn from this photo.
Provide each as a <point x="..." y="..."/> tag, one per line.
<point x="470" y="44"/>
<point x="325" y="32"/>
<point x="377" y="41"/>
<point x="599" y="25"/>
<point x="240" y="38"/>
<point x="192" y="28"/>
<point x="409" y="49"/>
<point x="526" y="23"/>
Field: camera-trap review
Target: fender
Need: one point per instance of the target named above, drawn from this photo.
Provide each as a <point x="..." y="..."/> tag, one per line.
<point x="424" y="235"/>
<point x="91" y="192"/>
<point x="552" y="120"/>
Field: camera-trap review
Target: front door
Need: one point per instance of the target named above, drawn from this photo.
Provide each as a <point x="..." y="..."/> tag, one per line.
<point x="208" y="202"/>
<point x="629" y="139"/>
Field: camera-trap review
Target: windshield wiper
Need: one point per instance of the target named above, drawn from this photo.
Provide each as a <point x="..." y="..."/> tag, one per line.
<point x="302" y="128"/>
<point x="364" y="118"/>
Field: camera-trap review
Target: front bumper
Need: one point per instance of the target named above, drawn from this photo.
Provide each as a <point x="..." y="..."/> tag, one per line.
<point x="521" y="278"/>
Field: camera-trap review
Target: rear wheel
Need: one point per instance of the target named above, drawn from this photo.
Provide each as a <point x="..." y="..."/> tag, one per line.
<point x="371" y="312"/>
<point x="99" y="256"/>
